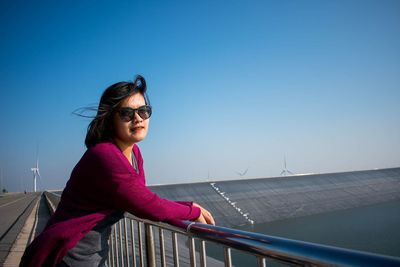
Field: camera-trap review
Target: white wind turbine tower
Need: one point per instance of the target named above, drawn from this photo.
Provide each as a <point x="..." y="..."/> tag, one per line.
<point x="36" y="173"/>
<point x="285" y="171"/>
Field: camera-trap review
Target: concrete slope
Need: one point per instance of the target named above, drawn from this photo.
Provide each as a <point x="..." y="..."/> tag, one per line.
<point x="270" y="199"/>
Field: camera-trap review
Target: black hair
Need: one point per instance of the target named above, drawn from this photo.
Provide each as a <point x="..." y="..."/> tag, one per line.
<point x="100" y="128"/>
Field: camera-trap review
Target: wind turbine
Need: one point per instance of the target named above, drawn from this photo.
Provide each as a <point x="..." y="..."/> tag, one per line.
<point x="285" y="171"/>
<point x="36" y="173"/>
<point x="241" y="174"/>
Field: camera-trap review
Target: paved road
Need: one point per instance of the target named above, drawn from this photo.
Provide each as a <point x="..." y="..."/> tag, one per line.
<point x="12" y="206"/>
<point x="14" y="209"/>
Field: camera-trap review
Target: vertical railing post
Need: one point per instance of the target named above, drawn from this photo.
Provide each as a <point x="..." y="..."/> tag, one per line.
<point x="141" y="261"/>
<point x="109" y="254"/>
<point x="121" y="245"/>
<point x="175" y="249"/>
<point x="203" y="259"/>
<point x="133" y="244"/>
<point x="261" y="262"/>
<point x="112" y="254"/>
<point x="126" y="242"/>
<point x="116" y="245"/>
<point x="192" y="252"/>
<point x="227" y="257"/>
<point x="150" y="248"/>
<point x="162" y="247"/>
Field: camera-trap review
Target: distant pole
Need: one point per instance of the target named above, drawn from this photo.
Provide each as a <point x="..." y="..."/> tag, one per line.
<point x="34" y="183"/>
<point x="1" y="186"/>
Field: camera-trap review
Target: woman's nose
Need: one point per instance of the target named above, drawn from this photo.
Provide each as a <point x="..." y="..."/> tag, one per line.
<point x="137" y="118"/>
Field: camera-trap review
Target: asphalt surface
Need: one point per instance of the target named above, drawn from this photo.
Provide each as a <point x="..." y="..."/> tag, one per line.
<point x="14" y="209"/>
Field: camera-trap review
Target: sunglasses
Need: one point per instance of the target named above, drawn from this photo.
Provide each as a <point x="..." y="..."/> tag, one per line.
<point x="128" y="114"/>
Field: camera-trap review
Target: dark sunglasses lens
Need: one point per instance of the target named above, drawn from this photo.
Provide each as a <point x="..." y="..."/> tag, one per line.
<point x="126" y="114"/>
<point x="144" y="112"/>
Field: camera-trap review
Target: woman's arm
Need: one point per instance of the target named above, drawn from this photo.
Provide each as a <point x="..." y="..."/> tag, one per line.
<point x="127" y="190"/>
<point x="132" y="195"/>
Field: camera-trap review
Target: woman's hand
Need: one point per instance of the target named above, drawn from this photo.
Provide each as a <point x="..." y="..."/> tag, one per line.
<point x="205" y="215"/>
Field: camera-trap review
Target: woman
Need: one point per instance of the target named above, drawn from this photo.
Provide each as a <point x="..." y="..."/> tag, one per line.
<point x="108" y="180"/>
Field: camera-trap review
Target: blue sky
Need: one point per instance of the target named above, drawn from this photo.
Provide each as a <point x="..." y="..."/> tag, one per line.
<point x="233" y="85"/>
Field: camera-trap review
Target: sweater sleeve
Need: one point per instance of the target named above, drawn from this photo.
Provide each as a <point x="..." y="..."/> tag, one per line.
<point x="130" y="193"/>
<point x="186" y="203"/>
<point x="135" y="197"/>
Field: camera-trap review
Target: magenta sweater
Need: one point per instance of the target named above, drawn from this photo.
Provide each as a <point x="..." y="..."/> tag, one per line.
<point x="101" y="183"/>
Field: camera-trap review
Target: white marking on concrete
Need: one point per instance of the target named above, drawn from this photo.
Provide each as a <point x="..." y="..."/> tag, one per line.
<point x="13" y="201"/>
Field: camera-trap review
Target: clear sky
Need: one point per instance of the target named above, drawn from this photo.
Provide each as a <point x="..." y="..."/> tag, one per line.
<point x="233" y="85"/>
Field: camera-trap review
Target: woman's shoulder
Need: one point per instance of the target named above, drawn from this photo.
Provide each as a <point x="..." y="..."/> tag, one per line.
<point x="103" y="152"/>
<point x="105" y="147"/>
<point x="109" y="147"/>
<point x="107" y="154"/>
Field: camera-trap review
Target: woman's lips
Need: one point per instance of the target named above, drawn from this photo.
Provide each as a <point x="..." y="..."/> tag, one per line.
<point x="137" y="128"/>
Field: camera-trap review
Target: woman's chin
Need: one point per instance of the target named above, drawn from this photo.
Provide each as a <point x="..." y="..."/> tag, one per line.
<point x="137" y="137"/>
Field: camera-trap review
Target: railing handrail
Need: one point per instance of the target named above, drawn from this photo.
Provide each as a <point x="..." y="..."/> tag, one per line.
<point x="288" y="250"/>
<point x="277" y="248"/>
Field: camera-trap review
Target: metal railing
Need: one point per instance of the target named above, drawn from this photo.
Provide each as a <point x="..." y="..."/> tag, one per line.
<point x="150" y="251"/>
<point x="133" y="242"/>
<point x="139" y="242"/>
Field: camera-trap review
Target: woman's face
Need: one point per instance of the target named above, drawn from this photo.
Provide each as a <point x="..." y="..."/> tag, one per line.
<point x="135" y="130"/>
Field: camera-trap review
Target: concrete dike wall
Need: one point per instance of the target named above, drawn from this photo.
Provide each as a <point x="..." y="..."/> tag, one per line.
<point x="238" y="202"/>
